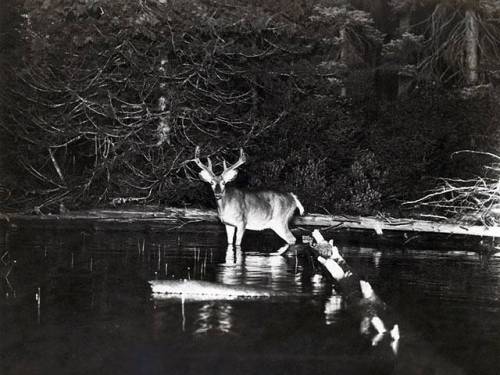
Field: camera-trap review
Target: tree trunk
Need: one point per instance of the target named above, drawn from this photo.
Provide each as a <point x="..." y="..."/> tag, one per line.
<point x="343" y="56"/>
<point x="471" y="47"/>
<point x="404" y="26"/>
<point x="404" y="22"/>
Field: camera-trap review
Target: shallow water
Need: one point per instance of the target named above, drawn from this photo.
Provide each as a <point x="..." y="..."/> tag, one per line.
<point x="78" y="302"/>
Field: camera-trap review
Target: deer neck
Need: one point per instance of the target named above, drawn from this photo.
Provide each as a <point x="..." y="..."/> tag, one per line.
<point x="224" y="200"/>
<point x="220" y="204"/>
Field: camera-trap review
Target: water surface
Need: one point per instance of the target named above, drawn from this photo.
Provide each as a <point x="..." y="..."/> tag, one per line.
<point x="78" y="302"/>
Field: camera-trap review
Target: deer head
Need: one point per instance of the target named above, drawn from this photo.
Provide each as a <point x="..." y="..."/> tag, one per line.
<point x="218" y="183"/>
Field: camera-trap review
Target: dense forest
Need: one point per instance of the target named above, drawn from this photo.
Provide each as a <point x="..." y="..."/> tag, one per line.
<point x="356" y="106"/>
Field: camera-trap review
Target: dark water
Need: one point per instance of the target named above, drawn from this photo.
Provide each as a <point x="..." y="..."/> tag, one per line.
<point x="78" y="302"/>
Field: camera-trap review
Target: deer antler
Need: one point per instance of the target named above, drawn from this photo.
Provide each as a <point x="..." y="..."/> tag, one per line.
<point x="242" y="159"/>
<point x="198" y="162"/>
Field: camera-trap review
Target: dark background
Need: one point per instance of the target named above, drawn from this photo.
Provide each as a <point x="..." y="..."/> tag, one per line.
<point x="356" y="106"/>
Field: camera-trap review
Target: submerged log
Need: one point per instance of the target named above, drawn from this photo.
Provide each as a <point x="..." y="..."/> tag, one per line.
<point x="358" y="294"/>
<point x="152" y="214"/>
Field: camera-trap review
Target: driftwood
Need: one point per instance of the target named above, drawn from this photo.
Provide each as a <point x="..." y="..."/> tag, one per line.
<point x="205" y="290"/>
<point x="475" y="199"/>
<point x="412" y="354"/>
<point x="358" y="294"/>
<point x="186" y="215"/>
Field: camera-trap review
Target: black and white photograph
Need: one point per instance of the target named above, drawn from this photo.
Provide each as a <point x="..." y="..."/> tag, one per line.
<point x="212" y="187"/>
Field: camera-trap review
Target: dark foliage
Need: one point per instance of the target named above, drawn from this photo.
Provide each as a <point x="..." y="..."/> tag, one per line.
<point x="105" y="102"/>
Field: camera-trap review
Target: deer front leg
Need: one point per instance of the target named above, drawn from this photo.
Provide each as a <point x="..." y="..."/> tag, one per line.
<point x="230" y="234"/>
<point x="240" y="230"/>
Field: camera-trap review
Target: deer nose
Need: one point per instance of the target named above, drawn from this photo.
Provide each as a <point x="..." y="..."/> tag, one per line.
<point x="218" y="192"/>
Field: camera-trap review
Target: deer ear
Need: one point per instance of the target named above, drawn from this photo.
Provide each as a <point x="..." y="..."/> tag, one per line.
<point x="230" y="175"/>
<point x="205" y="176"/>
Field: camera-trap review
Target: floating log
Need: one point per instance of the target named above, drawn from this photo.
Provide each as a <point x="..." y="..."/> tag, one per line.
<point x="152" y="214"/>
<point x="205" y="290"/>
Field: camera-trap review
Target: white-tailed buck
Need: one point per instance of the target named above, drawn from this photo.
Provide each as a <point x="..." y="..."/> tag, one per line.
<point x="241" y="209"/>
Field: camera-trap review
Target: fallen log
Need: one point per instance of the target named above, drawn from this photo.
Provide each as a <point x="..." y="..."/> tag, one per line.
<point x="379" y="225"/>
<point x="358" y="294"/>
<point x="412" y="355"/>
<point x="150" y="214"/>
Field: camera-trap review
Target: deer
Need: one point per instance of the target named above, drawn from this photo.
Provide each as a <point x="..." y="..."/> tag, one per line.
<point x="242" y="209"/>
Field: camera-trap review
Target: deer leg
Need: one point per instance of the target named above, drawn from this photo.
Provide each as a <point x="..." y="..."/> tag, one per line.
<point x="239" y="235"/>
<point x="284" y="232"/>
<point x="230" y="234"/>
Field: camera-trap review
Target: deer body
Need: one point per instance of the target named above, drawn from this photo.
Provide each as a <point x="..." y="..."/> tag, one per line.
<point x="241" y="209"/>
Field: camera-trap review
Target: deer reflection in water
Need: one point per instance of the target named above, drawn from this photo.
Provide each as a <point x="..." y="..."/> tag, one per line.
<point x="246" y="267"/>
<point x="239" y="268"/>
<point x="242" y="274"/>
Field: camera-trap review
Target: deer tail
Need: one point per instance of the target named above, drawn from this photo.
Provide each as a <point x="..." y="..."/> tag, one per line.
<point x="299" y="205"/>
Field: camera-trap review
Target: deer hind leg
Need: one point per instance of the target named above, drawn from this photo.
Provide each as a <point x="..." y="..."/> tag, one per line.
<point x="283" y="231"/>
<point x="230" y="234"/>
